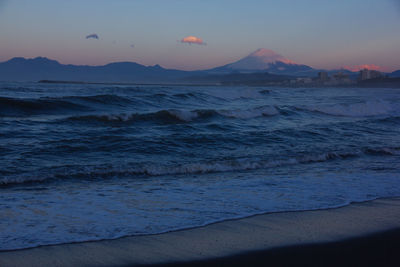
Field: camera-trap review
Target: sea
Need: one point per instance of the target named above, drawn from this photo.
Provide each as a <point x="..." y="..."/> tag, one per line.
<point x="82" y="162"/>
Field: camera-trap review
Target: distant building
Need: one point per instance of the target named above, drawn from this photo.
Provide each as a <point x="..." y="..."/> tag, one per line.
<point x="376" y="74"/>
<point x="303" y="80"/>
<point x="364" y="75"/>
<point x="367" y="74"/>
<point x="341" y="78"/>
<point x="323" y="76"/>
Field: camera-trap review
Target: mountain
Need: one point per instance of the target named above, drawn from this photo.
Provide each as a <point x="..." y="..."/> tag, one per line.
<point x="395" y="74"/>
<point x="263" y="60"/>
<point x="40" y="68"/>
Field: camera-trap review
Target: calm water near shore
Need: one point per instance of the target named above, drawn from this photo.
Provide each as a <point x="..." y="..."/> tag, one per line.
<point x="87" y="162"/>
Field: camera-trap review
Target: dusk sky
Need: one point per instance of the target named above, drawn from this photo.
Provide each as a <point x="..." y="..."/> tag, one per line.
<point x="318" y="33"/>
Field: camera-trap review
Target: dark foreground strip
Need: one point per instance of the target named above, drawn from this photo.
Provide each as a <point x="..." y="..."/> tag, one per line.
<point x="381" y="249"/>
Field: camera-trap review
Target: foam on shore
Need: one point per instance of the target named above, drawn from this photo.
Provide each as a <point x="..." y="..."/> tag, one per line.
<point x="257" y="233"/>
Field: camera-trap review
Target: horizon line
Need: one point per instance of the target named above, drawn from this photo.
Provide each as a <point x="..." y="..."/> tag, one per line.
<point x="135" y="62"/>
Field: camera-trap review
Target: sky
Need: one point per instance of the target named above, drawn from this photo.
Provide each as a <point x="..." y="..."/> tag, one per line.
<point x="201" y="34"/>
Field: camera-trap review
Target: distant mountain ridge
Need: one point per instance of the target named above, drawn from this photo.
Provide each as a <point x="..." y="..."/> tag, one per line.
<point x="260" y="61"/>
<point x="40" y="68"/>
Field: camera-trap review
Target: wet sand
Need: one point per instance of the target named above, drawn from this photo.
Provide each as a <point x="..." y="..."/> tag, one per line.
<point x="359" y="234"/>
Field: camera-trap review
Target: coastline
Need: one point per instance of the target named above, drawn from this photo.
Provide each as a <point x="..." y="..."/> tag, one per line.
<point x="233" y="242"/>
<point x="393" y="83"/>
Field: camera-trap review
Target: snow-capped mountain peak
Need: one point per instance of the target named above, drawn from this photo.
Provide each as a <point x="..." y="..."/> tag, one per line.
<point x="261" y="59"/>
<point x="264" y="60"/>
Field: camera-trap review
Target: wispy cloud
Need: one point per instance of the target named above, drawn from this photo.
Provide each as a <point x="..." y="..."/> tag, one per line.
<point x="92" y="36"/>
<point x="193" y="40"/>
<point x="364" y="66"/>
<point x="132" y="45"/>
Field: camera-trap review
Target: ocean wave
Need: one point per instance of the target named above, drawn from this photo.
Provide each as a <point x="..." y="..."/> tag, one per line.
<point x="241" y="164"/>
<point x="185" y="95"/>
<point x="100" y="99"/>
<point x="240" y="93"/>
<point x="167" y="116"/>
<point x="19" y="106"/>
<point x="175" y="116"/>
<point x="391" y="151"/>
<point x="365" y="109"/>
<point x="20" y="89"/>
<point x="53" y="105"/>
<point x="250" y="113"/>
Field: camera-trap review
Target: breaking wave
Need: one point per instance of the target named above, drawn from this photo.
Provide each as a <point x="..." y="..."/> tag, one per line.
<point x="174" y="115"/>
<point x="241" y="164"/>
<point x="25" y="106"/>
<point x="101" y="99"/>
<point x="17" y="107"/>
<point x="162" y="116"/>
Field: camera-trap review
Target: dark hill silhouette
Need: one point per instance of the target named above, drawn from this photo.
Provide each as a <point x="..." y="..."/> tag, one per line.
<point x="40" y="68"/>
<point x="395" y="74"/>
<point x="263" y="61"/>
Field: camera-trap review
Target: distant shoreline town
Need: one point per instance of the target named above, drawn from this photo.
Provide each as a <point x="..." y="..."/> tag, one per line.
<point x="365" y="78"/>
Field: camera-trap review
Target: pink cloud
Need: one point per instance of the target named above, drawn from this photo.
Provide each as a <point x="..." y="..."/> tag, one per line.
<point x="364" y="66"/>
<point x="193" y="40"/>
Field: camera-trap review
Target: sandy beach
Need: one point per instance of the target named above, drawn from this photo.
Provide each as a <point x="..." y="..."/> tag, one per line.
<point x="361" y="233"/>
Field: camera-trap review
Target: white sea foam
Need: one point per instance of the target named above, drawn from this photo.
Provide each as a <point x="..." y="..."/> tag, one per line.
<point x="94" y="211"/>
<point x="242" y="164"/>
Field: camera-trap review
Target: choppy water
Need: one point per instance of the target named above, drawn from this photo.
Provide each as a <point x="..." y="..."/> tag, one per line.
<point x="88" y="162"/>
